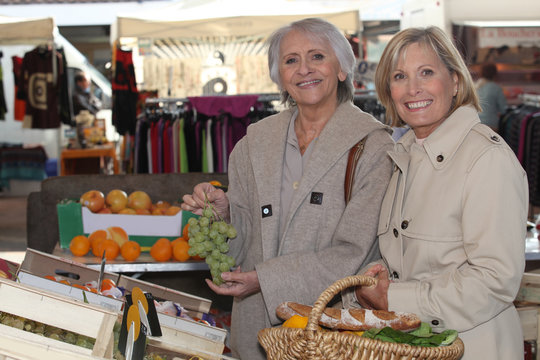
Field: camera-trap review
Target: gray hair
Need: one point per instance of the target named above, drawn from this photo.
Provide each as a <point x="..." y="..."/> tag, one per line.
<point x="322" y="30"/>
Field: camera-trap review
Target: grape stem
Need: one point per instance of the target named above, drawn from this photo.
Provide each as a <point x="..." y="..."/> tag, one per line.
<point x="207" y="203"/>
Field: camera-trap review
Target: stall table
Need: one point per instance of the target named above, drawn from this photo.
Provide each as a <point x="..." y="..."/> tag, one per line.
<point x="143" y="264"/>
<point x="70" y="157"/>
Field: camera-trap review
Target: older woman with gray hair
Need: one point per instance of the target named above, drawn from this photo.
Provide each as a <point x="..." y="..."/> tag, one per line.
<point x="296" y="232"/>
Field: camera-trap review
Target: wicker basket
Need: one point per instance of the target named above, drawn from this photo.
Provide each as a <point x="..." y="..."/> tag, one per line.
<point x="311" y="343"/>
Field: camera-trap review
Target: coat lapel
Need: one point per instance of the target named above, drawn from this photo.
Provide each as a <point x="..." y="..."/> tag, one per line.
<point x="267" y="162"/>
<point x="341" y="132"/>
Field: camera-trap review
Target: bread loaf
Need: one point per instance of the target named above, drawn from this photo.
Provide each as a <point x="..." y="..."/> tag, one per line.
<point x="353" y="319"/>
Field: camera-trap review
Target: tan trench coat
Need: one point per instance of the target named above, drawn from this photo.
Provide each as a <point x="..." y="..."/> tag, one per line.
<point x="452" y="232"/>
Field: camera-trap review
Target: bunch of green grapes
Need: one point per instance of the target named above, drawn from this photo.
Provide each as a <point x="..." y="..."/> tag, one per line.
<point x="208" y="236"/>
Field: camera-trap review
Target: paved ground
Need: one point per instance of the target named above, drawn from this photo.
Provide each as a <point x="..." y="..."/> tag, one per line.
<point x="12" y="227"/>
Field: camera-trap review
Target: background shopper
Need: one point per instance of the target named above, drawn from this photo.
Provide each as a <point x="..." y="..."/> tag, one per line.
<point x="491" y="95"/>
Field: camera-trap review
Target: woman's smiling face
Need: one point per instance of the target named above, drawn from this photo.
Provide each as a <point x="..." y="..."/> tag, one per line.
<point x="309" y="69"/>
<point x="422" y="89"/>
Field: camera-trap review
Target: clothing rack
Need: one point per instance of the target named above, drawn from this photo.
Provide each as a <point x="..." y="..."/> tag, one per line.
<point x="531" y="99"/>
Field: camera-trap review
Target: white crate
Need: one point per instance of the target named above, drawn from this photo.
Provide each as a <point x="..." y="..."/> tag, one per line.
<point x="74" y="316"/>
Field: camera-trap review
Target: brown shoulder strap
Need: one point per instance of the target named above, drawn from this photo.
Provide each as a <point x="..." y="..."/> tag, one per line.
<point x="354" y="156"/>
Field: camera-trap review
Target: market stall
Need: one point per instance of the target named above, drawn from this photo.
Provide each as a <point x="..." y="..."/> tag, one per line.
<point x="18" y="30"/>
<point x="179" y="48"/>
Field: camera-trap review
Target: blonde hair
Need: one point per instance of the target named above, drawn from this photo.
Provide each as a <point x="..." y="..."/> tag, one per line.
<point x="433" y="38"/>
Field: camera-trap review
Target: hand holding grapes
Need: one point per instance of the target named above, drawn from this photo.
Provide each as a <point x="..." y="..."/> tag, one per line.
<point x="203" y="193"/>
<point x="237" y="283"/>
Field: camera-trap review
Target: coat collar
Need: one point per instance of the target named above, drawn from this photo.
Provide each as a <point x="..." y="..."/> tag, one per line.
<point x="347" y="126"/>
<point x="342" y="132"/>
<point x="443" y="143"/>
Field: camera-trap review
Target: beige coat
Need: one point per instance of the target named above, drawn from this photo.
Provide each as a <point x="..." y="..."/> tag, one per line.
<point x="322" y="241"/>
<point x="452" y="232"/>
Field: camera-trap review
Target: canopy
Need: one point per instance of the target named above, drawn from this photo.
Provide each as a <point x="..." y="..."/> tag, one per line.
<point x="188" y="19"/>
<point x="18" y="30"/>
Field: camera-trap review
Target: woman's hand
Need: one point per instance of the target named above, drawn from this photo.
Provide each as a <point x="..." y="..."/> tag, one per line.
<point x="374" y="297"/>
<point x="237" y="283"/>
<point x="206" y="192"/>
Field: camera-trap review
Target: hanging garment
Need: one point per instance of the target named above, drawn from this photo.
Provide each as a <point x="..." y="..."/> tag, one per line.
<point x="184" y="163"/>
<point x="125" y="94"/>
<point x="209" y="147"/>
<point x="19" y="104"/>
<point x="238" y="106"/>
<point x="175" y="146"/>
<point x="41" y="87"/>
<point x="167" y="147"/>
<point x="3" y="106"/>
<point x="64" y="101"/>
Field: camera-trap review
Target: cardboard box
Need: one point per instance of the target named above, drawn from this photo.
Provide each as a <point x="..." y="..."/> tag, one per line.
<point x="40" y="264"/>
<point x="192" y="333"/>
<point x="74" y="219"/>
<point x="194" y="305"/>
<point x="8" y="269"/>
<point x="36" y="265"/>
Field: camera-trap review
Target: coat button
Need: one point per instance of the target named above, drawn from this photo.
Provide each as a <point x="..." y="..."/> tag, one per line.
<point x="434" y="322"/>
<point x="396" y="232"/>
<point x="404" y="224"/>
<point x="395" y="275"/>
<point x="495" y="138"/>
<point x="440" y="158"/>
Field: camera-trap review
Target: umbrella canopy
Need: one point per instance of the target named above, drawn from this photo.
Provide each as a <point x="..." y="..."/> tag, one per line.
<point x="17" y="30"/>
<point x="241" y="18"/>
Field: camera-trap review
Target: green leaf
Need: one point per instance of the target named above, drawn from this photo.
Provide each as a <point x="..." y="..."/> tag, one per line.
<point x="423" y="336"/>
<point x="423" y="330"/>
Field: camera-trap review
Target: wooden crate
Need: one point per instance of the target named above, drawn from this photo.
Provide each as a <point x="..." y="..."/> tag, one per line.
<point x="528" y="300"/>
<point x="529" y="290"/>
<point x="56" y="310"/>
<point x="180" y="351"/>
<point x="185" y="339"/>
<point x="15" y="348"/>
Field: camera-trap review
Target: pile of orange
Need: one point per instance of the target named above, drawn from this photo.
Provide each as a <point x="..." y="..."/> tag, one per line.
<point x="165" y="250"/>
<point x="100" y="242"/>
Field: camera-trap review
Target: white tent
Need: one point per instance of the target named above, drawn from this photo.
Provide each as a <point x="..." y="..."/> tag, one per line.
<point x="19" y="30"/>
<point x="189" y="19"/>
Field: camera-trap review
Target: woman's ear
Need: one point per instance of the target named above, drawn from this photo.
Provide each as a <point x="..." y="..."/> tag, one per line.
<point x="342" y="75"/>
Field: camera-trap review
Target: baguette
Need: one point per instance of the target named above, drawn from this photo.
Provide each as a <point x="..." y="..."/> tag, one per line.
<point x="352" y="319"/>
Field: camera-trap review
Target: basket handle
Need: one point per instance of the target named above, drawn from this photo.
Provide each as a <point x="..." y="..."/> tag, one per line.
<point x="327" y="295"/>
